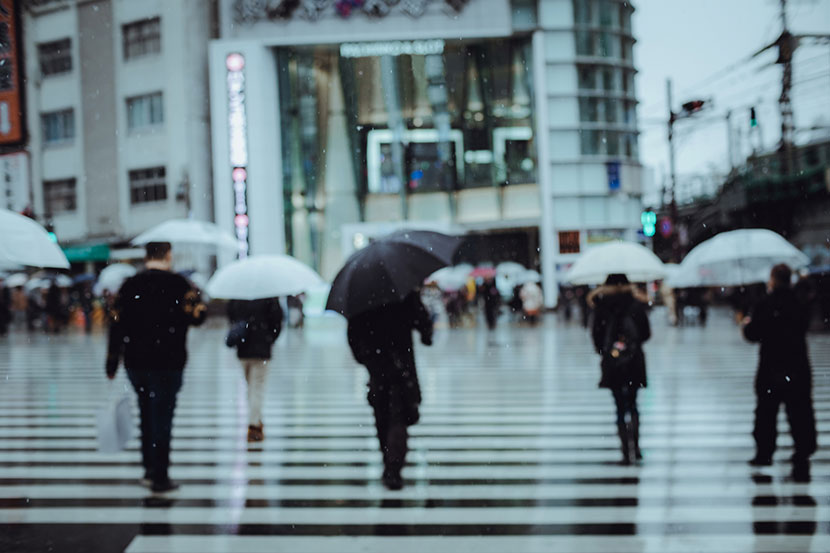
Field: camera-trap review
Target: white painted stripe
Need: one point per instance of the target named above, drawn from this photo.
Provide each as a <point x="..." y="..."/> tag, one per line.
<point x="374" y="490"/>
<point x="480" y="544"/>
<point x="411" y="515"/>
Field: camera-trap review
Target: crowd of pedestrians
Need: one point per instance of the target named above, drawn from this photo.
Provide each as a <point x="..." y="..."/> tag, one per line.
<point x="153" y="310"/>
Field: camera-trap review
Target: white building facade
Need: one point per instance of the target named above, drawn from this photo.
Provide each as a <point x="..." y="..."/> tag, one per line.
<point x="512" y="122"/>
<point x="118" y="116"/>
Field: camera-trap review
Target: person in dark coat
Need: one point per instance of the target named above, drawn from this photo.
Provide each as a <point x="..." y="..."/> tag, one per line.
<point x="255" y="326"/>
<point x="151" y="315"/>
<point x="619" y="330"/>
<point x="381" y="339"/>
<point x="492" y="301"/>
<point x="5" y="308"/>
<point x="779" y="323"/>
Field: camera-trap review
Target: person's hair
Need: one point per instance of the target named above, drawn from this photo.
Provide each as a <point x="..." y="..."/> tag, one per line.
<point x="616" y="279"/>
<point x="781" y="275"/>
<point x="157" y="250"/>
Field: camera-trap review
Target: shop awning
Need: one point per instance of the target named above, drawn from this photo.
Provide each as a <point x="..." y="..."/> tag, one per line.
<point x="91" y="252"/>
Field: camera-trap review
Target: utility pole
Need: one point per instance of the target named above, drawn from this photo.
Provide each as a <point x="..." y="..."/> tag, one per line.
<point x="729" y="149"/>
<point x="787" y="44"/>
<point x="672" y="172"/>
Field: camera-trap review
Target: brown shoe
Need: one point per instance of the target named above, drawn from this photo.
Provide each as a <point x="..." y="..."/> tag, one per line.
<point x="255" y="433"/>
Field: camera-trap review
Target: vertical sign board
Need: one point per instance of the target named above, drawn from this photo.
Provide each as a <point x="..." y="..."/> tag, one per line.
<point x="238" y="143"/>
<point x="569" y="241"/>
<point x="11" y="100"/>
<point x="613" y="170"/>
<point x="14" y="181"/>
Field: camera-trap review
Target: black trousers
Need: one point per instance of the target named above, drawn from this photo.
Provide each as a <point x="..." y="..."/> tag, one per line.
<point x="798" y="403"/>
<point x="156" y="390"/>
<point x="625" y="399"/>
<point x="394" y="396"/>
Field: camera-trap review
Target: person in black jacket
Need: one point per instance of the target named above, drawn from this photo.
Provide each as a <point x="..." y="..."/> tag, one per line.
<point x="150" y="318"/>
<point x="255" y="326"/>
<point x="381" y="339"/>
<point x="619" y="330"/>
<point x="779" y="322"/>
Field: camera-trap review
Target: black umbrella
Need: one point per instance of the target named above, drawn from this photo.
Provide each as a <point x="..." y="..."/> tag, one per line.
<point x="387" y="270"/>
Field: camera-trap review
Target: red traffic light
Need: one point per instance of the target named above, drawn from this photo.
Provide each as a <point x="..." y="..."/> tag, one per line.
<point x="693" y="106"/>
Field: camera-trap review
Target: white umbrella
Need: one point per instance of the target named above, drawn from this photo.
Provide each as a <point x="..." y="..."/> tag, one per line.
<point x="63" y="281"/>
<point x="112" y="277"/>
<point x="262" y="276"/>
<point x="17" y="279"/>
<point x="529" y="276"/>
<point x="636" y="262"/>
<point x="187" y="231"/>
<point x="448" y="278"/>
<point x="739" y="257"/>
<point x="24" y="242"/>
<point x="510" y="269"/>
<point x="36" y="283"/>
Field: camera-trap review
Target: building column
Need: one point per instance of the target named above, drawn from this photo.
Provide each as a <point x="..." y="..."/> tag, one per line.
<point x="547" y="228"/>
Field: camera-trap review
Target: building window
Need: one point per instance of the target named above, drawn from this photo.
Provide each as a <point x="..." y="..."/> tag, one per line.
<point x="584" y="43"/>
<point x="55" y="57"/>
<point x="58" y="126"/>
<point x="588" y="111"/>
<point x="59" y="196"/>
<point x="142" y="38"/>
<point x="144" y="111"/>
<point x="582" y="12"/>
<point x="587" y="77"/>
<point x="148" y="185"/>
<point x="590" y="142"/>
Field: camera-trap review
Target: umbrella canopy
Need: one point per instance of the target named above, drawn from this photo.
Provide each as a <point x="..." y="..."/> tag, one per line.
<point x="510" y="269"/>
<point x="112" y="277"/>
<point x="387" y="270"/>
<point x="637" y="262"/>
<point x="262" y="276"/>
<point x="738" y="257"/>
<point x="35" y="283"/>
<point x="449" y="278"/>
<point x="529" y="276"/>
<point x="24" y="242"/>
<point x="17" y="279"/>
<point x="187" y="231"/>
<point x="62" y="281"/>
<point x="84" y="277"/>
<point x="483" y="272"/>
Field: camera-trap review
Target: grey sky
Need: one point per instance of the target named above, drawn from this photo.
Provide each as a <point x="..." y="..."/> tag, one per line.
<point x="692" y="41"/>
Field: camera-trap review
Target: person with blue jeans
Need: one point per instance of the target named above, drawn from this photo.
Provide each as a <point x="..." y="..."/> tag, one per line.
<point x="150" y="319"/>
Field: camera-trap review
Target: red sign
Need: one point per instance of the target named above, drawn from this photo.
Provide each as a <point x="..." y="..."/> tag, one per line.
<point x="11" y="95"/>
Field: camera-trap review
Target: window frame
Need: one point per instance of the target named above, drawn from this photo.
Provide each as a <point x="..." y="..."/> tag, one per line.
<point x="135" y="46"/>
<point x="131" y="101"/>
<point x="61" y="51"/>
<point x="64" y="138"/>
<point x="51" y="199"/>
<point x="141" y="181"/>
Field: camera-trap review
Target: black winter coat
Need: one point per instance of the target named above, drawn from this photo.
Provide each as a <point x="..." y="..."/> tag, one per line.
<point x="264" y="323"/>
<point x="610" y="304"/>
<point x="151" y="315"/>
<point x="779" y="322"/>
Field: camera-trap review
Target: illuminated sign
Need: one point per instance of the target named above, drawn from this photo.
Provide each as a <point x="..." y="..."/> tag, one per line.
<point x="401" y="48"/>
<point x="11" y="116"/>
<point x="238" y="141"/>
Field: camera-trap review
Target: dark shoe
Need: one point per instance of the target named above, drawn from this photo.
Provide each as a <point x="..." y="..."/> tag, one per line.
<point x="392" y="479"/>
<point x="255" y="433"/>
<point x="760" y="461"/>
<point x="801" y="470"/>
<point x="165" y="486"/>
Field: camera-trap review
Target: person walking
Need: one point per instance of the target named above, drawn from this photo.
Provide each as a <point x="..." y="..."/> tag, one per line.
<point x="532" y="301"/>
<point x="620" y="328"/>
<point x="255" y="326"/>
<point x="492" y="301"/>
<point x="779" y="323"/>
<point x="151" y="315"/>
<point x="381" y="339"/>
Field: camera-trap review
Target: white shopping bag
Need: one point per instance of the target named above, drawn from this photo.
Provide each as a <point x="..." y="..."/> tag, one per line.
<point x="115" y="423"/>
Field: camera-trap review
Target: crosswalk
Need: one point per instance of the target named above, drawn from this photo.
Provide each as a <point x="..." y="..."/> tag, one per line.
<point x="516" y="451"/>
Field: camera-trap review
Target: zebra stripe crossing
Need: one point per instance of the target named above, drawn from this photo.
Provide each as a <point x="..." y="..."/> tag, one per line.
<point x="516" y="451"/>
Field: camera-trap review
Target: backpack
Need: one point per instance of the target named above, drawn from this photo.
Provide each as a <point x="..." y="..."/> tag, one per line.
<point x="621" y="345"/>
<point x="237" y="334"/>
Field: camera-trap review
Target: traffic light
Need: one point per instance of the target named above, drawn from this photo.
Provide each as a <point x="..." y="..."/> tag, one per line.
<point x="50" y="230"/>
<point x="753" y="120"/>
<point x="693" y="106"/>
<point x="649" y="220"/>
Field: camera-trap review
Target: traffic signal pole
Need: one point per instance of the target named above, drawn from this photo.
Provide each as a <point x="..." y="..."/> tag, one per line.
<point x="675" y="245"/>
